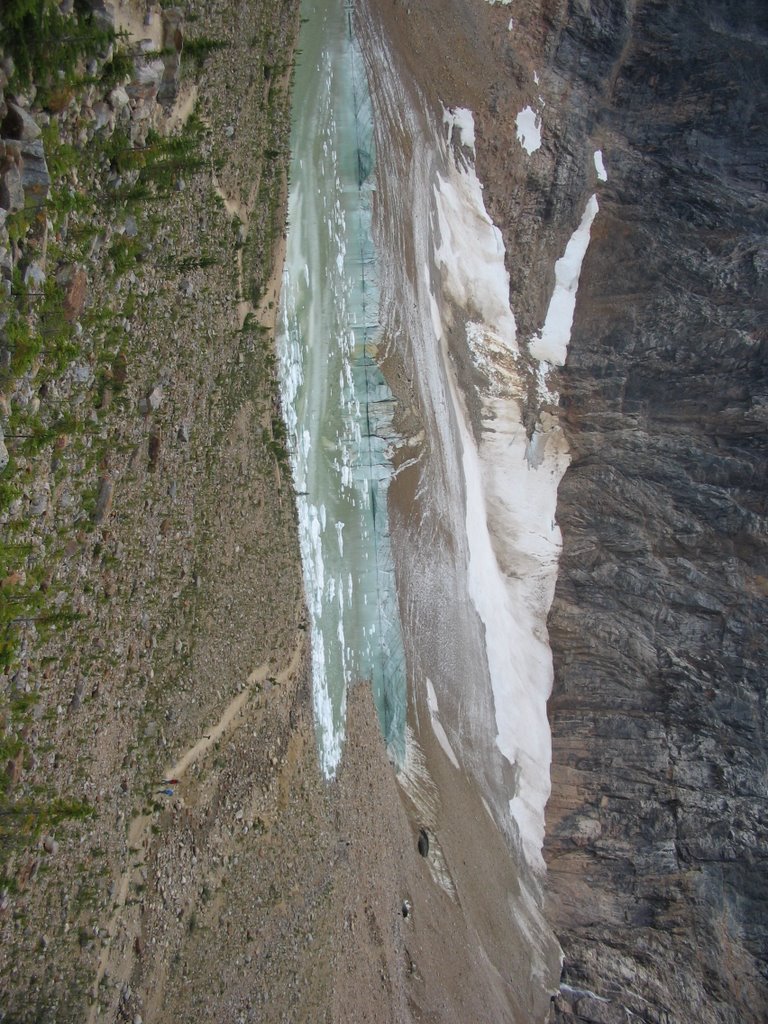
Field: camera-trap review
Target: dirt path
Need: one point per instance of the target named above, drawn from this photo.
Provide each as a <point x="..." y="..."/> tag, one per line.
<point x="116" y="959"/>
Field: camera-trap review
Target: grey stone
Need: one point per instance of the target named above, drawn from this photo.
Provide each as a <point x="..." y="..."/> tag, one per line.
<point x="34" y="173"/>
<point x="82" y="373"/>
<point x="34" y="277"/>
<point x="103" y="116"/>
<point x="118" y="98"/>
<point x="155" y="398"/>
<point x="39" y="504"/>
<point x="51" y="846"/>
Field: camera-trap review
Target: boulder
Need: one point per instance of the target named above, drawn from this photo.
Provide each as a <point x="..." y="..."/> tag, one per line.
<point x="34" y="277"/>
<point x="34" y="173"/>
<point x="118" y="98"/>
<point x="19" y="124"/>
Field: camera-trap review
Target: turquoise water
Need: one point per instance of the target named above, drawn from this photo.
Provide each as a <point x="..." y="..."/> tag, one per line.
<point x="337" y="406"/>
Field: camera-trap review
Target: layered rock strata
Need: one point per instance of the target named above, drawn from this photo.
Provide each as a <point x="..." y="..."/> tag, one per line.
<point x="656" y="845"/>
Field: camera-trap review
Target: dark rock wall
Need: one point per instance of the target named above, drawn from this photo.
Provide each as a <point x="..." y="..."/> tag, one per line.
<point x="657" y="837"/>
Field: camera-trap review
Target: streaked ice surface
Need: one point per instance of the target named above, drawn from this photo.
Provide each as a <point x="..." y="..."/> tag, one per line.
<point x="337" y="407"/>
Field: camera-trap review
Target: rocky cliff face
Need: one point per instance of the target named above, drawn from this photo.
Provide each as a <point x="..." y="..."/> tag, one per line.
<point x="657" y="829"/>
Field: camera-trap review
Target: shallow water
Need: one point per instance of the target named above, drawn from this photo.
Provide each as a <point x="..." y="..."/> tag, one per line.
<point x="337" y="407"/>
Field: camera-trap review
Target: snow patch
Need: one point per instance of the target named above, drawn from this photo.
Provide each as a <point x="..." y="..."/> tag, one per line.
<point x="552" y="343"/>
<point x="602" y="174"/>
<point x="461" y="118"/>
<point x="470" y="251"/>
<point x="528" y="130"/>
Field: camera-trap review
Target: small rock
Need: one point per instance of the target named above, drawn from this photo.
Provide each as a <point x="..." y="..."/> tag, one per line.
<point x="50" y="846"/>
<point x="81" y="373"/>
<point x="186" y="288"/>
<point x="155" y="398"/>
<point x="183" y="433"/>
<point x="77" y="696"/>
<point x="74" y="281"/>
<point x="104" y="500"/>
<point x="39" y="504"/>
<point x="102" y="115"/>
<point x="118" y="98"/>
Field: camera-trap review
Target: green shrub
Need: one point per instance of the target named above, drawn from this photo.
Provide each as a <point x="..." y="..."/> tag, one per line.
<point x="43" y="41"/>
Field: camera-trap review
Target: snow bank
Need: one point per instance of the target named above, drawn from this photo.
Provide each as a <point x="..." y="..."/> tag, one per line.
<point x="552" y="343"/>
<point x="461" y="118"/>
<point x="510" y="482"/>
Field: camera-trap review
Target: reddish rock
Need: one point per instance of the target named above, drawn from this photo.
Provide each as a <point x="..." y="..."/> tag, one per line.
<point x="74" y="282"/>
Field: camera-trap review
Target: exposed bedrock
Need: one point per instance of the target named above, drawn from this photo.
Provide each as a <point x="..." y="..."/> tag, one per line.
<point x="656" y="831"/>
<point x="657" y="822"/>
